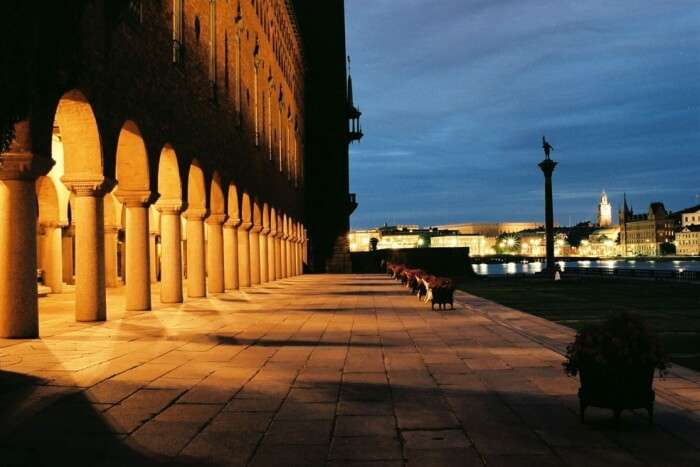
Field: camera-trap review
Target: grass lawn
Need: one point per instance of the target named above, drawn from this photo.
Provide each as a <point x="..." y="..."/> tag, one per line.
<point x="670" y="308"/>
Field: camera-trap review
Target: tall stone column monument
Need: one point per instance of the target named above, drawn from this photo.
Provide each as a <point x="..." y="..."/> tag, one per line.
<point x="547" y="166"/>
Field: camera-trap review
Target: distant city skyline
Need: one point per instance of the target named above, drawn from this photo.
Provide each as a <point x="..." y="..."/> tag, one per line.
<point x="456" y="99"/>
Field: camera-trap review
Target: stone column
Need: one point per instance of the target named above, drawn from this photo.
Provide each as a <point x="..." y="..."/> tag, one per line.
<point x="171" y="251"/>
<point x="305" y="247"/>
<point x="196" y="267"/>
<point x="90" y="298"/>
<point x="244" y="254"/>
<point x="271" y="273"/>
<point x="137" y="271"/>
<point x="215" y="253"/>
<point x="52" y="256"/>
<point x="231" y="254"/>
<point x="255" y="254"/>
<point x="279" y="273"/>
<point x="263" y="255"/>
<point x="111" y="234"/>
<point x="283" y="259"/>
<point x="297" y="251"/>
<point x="19" y="315"/>
<point x="67" y="241"/>
<point x="547" y="166"/>
<point x="288" y="252"/>
<point x="153" y="253"/>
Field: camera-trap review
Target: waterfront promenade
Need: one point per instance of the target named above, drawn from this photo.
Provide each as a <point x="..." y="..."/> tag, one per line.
<point x="318" y="370"/>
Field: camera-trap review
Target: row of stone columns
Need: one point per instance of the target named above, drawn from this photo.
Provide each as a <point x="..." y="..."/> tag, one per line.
<point x="237" y="254"/>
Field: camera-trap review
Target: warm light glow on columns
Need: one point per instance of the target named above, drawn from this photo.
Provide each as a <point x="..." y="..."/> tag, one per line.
<point x="255" y="254"/>
<point x="67" y="248"/>
<point x="52" y="256"/>
<point x="153" y="224"/>
<point x="271" y="236"/>
<point x="288" y="248"/>
<point x="170" y="251"/>
<point x="196" y="267"/>
<point x="18" y="201"/>
<point x="111" y="277"/>
<point x="244" y="254"/>
<point x="90" y="299"/>
<point x="138" y="276"/>
<point x="285" y="247"/>
<point x="215" y="253"/>
<point x="263" y="244"/>
<point x="231" y="254"/>
<point x="297" y="249"/>
<point x="305" y="248"/>
<point x="279" y="273"/>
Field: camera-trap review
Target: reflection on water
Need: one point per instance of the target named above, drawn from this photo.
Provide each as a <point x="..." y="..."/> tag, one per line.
<point x="500" y="269"/>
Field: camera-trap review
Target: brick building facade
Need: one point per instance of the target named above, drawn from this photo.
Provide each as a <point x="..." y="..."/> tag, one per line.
<point x="138" y="124"/>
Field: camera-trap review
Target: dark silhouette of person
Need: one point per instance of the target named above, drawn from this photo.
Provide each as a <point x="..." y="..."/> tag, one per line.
<point x="547" y="148"/>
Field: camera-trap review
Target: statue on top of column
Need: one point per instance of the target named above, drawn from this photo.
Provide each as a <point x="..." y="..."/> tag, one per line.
<point x="547" y="147"/>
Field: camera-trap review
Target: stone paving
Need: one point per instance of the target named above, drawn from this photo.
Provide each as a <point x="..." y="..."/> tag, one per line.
<point x="318" y="370"/>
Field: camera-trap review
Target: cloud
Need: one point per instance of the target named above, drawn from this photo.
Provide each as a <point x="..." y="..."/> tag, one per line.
<point x="456" y="95"/>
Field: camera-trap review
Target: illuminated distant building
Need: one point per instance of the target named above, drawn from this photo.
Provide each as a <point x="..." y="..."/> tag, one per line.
<point x="604" y="211"/>
<point x="643" y="234"/>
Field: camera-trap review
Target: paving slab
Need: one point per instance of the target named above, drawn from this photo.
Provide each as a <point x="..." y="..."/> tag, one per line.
<point x="337" y="370"/>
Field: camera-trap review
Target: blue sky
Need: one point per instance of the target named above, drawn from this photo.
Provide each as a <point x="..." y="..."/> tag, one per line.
<point x="456" y="95"/>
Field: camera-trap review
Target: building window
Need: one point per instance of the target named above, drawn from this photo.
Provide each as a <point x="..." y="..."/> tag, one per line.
<point x="279" y="135"/>
<point x="178" y="27"/>
<point x="197" y="28"/>
<point x="256" y="90"/>
<point x="226" y="77"/>
<point x="212" y="42"/>
<point x="269" y="118"/>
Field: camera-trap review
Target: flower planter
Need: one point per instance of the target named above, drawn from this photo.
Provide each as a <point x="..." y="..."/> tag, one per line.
<point x="616" y="389"/>
<point x="442" y="296"/>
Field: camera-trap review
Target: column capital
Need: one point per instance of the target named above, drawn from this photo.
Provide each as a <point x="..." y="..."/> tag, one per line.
<point x="257" y="228"/>
<point x="232" y="223"/>
<point x="195" y="214"/>
<point x="111" y="229"/>
<point x="88" y="185"/>
<point x="280" y="234"/>
<point x="216" y="219"/>
<point x="168" y="206"/>
<point x="245" y="226"/>
<point x="53" y="224"/>
<point x="273" y="232"/>
<point x="265" y="230"/>
<point x="23" y="166"/>
<point x="136" y="198"/>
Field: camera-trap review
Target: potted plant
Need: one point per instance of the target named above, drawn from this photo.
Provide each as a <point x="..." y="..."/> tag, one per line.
<point x="616" y="360"/>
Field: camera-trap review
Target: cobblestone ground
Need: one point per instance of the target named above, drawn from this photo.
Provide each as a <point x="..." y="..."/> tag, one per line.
<point x="318" y="370"/>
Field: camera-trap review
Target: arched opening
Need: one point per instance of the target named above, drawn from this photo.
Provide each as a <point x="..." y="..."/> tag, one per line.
<point x="233" y="208"/>
<point x="132" y="161"/>
<point x="134" y="191"/>
<point x="169" y="205"/>
<point x="272" y="245"/>
<point x="80" y="149"/>
<point x="215" y="236"/>
<point x="255" y="253"/>
<point x="195" y="267"/>
<point x="49" y="237"/>
<point x="80" y="137"/>
<point x="244" y="256"/>
<point x="231" y="239"/>
<point x="113" y="240"/>
<point x="266" y="270"/>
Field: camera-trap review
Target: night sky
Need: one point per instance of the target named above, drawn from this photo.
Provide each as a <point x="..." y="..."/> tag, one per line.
<point x="456" y="95"/>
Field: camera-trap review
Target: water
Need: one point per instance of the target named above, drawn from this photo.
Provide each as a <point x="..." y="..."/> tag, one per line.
<point x="500" y="269"/>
